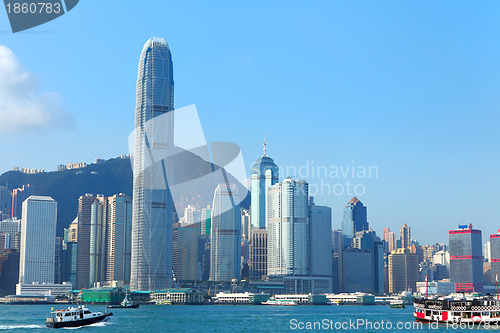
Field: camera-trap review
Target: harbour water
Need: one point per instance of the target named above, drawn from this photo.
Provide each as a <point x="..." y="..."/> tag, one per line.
<point x="231" y="318"/>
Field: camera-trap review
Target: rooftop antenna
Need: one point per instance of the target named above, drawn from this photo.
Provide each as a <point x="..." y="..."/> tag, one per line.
<point x="265" y="146"/>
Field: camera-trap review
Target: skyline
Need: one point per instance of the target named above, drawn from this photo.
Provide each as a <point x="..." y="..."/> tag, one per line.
<point x="417" y="101"/>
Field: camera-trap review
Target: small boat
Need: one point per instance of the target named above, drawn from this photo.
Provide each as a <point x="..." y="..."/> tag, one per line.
<point x="75" y="317"/>
<point x="280" y="302"/>
<point x="125" y="304"/>
<point x="397" y="304"/>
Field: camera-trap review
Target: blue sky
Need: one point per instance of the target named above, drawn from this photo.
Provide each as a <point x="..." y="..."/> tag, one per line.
<point x="410" y="87"/>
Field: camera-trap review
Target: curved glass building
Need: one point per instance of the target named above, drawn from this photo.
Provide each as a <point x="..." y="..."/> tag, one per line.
<point x="152" y="214"/>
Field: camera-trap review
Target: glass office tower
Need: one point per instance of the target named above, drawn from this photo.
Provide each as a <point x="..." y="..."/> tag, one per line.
<point x="152" y="214"/>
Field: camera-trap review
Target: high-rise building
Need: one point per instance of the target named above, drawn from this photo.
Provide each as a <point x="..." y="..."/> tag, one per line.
<point x="225" y="247"/>
<point x="119" y="238"/>
<point x="495" y="253"/>
<point x="466" y="259"/>
<point x="403" y="270"/>
<point x="83" y="250"/>
<point x="38" y="236"/>
<point x="185" y="252"/>
<point x="390" y="240"/>
<point x="337" y="241"/>
<point x="18" y="197"/>
<point x="355" y="219"/>
<point x="288" y="228"/>
<point x="153" y="210"/>
<point x="320" y="244"/>
<point x="257" y="261"/>
<point x="98" y="244"/>
<point x="9" y="271"/>
<point x="246" y="225"/>
<point x="405" y="236"/>
<point x="351" y="277"/>
<point x="264" y="174"/>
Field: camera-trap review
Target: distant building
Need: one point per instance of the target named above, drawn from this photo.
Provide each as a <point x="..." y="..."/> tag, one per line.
<point x="356" y="270"/>
<point x="38" y="236"/>
<point x="12" y="227"/>
<point x="5" y="202"/>
<point x="257" y="260"/>
<point x="403" y="270"/>
<point x="320" y="244"/>
<point x="405" y="236"/>
<point x="225" y="247"/>
<point x="18" y="196"/>
<point x="495" y="253"/>
<point x="436" y="288"/>
<point x="77" y="165"/>
<point x="337" y="240"/>
<point x="390" y="240"/>
<point x="288" y="228"/>
<point x="185" y="252"/>
<point x="264" y="174"/>
<point x="466" y="259"/>
<point x="355" y="219"/>
<point x="246" y="225"/>
<point x="9" y="271"/>
<point x="206" y="218"/>
<point x="42" y="289"/>
<point x="61" y="167"/>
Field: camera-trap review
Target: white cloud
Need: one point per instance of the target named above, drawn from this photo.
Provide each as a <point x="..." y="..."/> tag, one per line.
<point x="22" y="105"/>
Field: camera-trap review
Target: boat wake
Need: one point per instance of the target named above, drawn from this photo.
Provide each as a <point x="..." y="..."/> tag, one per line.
<point x="13" y="327"/>
<point x="100" y="324"/>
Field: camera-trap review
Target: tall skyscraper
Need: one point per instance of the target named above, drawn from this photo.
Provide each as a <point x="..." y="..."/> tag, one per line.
<point x="153" y="210"/>
<point x="494" y="252"/>
<point x="119" y="238"/>
<point x="246" y="225"/>
<point x="225" y="247"/>
<point x="98" y="244"/>
<point x="38" y="237"/>
<point x="405" y="236"/>
<point x="288" y="228"/>
<point x="264" y="174"/>
<point x="83" y="250"/>
<point x="320" y="230"/>
<point x="355" y="219"/>
<point x="466" y="259"/>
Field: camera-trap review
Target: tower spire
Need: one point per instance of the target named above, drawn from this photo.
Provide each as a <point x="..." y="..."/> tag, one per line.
<point x="265" y="146"/>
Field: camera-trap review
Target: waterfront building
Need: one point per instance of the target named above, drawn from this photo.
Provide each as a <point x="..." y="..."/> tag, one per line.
<point x="177" y="296"/>
<point x="42" y="289"/>
<point x="84" y="228"/>
<point x="185" y="252"/>
<point x="466" y="259"/>
<point x="320" y="243"/>
<point x="38" y="236"/>
<point x="119" y="237"/>
<point x="257" y="259"/>
<point x="288" y="228"/>
<point x="264" y="173"/>
<point x="403" y="270"/>
<point x="225" y="247"/>
<point x="153" y="210"/>
<point x="494" y="250"/>
<point x="444" y="287"/>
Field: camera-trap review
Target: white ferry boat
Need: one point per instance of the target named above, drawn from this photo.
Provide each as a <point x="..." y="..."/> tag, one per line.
<point x="75" y="317"/>
<point x="477" y="310"/>
<point x="279" y="302"/>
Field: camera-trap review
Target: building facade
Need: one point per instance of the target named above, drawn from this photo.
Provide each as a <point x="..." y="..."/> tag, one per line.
<point x="264" y="174"/>
<point x="38" y="237"/>
<point x="466" y="259"/>
<point x="225" y="247"/>
<point x="153" y="210"/>
<point x="403" y="270"/>
<point x="288" y="228"/>
<point x="405" y="232"/>
<point x="355" y="219"/>
<point x="257" y="258"/>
